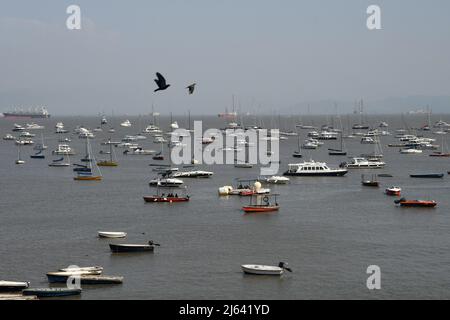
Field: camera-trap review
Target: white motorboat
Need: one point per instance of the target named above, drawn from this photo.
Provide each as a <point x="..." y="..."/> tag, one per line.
<point x="277" y="180"/>
<point x="313" y="168"/>
<point x="34" y="126"/>
<point x="410" y="151"/>
<point x="13" y="286"/>
<point x="126" y="124"/>
<point x="363" y="163"/>
<point x="166" y="183"/>
<point x="9" y="137"/>
<point x="64" y="149"/>
<point x="367" y="140"/>
<point x="139" y="152"/>
<point x="26" y="134"/>
<point x="83" y="270"/>
<point x="111" y="234"/>
<point x="257" y="269"/>
<point x="193" y="174"/>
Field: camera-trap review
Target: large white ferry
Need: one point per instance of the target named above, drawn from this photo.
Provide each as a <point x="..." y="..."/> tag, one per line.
<point x="313" y="168"/>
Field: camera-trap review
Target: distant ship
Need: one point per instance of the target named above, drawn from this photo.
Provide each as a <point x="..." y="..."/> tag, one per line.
<point x="30" y="113"/>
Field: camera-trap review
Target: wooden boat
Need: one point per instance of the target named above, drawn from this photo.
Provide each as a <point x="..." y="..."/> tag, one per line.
<point x="440" y="154"/>
<point x="257" y="269"/>
<point x="88" y="270"/>
<point x="114" y="235"/>
<point x="416" y="203"/>
<point x="120" y="248"/>
<point x="13" y="286"/>
<point x="261" y="203"/>
<point x="87" y="177"/>
<point x="16" y="296"/>
<point x="51" y="292"/>
<point x="428" y="175"/>
<point x="393" y="191"/>
<point x="61" y="277"/>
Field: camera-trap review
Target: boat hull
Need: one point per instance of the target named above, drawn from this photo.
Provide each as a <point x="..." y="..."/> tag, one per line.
<point x="427" y="176"/>
<point x="262" y="270"/>
<point x="91" y="178"/>
<point x="86" y="279"/>
<point x="415" y="203"/>
<point x="118" y="248"/>
<point x="260" y="209"/>
<point x="339" y="173"/>
<point x="51" y="292"/>
<point x="165" y="199"/>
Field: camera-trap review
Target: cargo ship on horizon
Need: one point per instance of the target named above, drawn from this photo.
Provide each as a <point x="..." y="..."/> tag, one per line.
<point x="30" y="113"/>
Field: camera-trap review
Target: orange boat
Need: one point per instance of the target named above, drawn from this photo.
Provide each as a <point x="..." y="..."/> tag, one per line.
<point x="261" y="203"/>
<point x="87" y="178"/>
<point x="416" y="203"/>
<point x="260" y="208"/>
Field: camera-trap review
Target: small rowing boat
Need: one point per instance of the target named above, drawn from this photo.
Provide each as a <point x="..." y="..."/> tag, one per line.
<point x="51" y="292"/>
<point x="120" y="248"/>
<point x="257" y="269"/>
<point x="61" y="277"/>
<point x="110" y="234"/>
<point x="416" y="203"/>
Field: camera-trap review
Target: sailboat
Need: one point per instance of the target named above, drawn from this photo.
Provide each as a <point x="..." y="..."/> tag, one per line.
<point x="110" y="162"/>
<point x="441" y="153"/>
<point x="246" y="164"/>
<point x="338" y="152"/>
<point x="60" y="162"/>
<point x="38" y="155"/>
<point x="88" y="174"/>
<point x="19" y="160"/>
<point x="298" y="153"/>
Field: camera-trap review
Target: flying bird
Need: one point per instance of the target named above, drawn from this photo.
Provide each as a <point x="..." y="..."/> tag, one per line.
<point x="191" y="88"/>
<point x="161" y="82"/>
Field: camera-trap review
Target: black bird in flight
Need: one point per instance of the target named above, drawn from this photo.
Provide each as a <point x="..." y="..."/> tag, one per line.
<point x="191" y="88"/>
<point x="161" y="82"/>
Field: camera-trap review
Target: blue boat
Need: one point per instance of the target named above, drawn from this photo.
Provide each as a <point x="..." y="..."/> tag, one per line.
<point x="38" y="155"/>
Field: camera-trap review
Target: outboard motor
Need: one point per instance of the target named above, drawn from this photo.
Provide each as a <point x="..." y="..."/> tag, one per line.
<point x="284" y="266"/>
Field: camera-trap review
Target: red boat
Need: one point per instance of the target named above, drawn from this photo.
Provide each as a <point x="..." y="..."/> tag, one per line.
<point x="166" y="199"/>
<point x="262" y="204"/>
<point x="416" y="203"/>
<point x="394" y="191"/>
<point x="260" y="208"/>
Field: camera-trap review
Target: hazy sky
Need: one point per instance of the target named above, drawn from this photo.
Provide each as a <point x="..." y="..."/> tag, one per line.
<point x="272" y="55"/>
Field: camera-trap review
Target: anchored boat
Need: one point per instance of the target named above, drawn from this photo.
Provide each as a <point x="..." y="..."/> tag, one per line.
<point x="121" y="248"/>
<point x="257" y="269"/>
<point x="416" y="203"/>
<point x="313" y="168"/>
<point x="262" y="203"/>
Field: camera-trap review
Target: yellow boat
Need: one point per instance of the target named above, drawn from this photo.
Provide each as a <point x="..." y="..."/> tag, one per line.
<point x="110" y="162"/>
<point x="107" y="164"/>
<point x="88" y="178"/>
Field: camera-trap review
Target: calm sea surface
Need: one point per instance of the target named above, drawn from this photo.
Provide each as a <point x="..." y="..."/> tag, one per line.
<point x="328" y="229"/>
